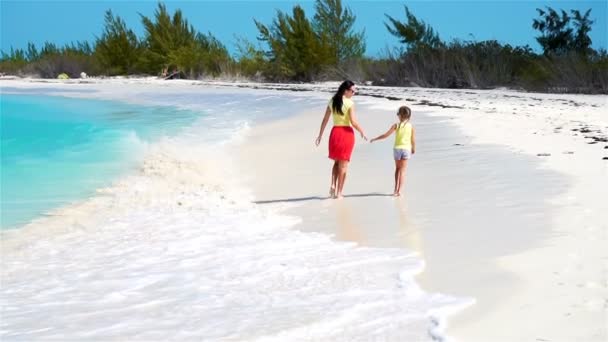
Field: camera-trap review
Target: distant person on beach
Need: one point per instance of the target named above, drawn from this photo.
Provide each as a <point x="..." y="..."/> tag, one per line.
<point x="405" y="144"/>
<point x="342" y="137"/>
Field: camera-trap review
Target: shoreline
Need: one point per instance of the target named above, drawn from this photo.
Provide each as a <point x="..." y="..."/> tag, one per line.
<point x="594" y="129"/>
<point x="172" y="201"/>
<point x="253" y="84"/>
<point x="552" y="195"/>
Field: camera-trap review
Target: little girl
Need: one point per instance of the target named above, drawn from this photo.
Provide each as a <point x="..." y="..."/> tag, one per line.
<point x="405" y="144"/>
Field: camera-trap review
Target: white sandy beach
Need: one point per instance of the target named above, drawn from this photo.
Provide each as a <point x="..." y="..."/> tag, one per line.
<point x="505" y="201"/>
<point x="505" y="204"/>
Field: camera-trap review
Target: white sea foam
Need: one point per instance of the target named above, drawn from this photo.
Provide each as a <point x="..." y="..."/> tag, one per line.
<point x="178" y="251"/>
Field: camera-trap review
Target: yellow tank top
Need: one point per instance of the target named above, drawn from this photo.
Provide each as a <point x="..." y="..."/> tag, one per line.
<point x="339" y="119"/>
<point x="403" y="136"/>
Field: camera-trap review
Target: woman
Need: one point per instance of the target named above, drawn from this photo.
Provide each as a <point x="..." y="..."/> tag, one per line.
<point x="342" y="137"/>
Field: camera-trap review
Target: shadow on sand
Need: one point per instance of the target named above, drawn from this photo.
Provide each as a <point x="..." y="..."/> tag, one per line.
<point x="319" y="198"/>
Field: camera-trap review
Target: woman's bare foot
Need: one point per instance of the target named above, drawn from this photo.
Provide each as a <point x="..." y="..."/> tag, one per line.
<point x="396" y="194"/>
<point x="332" y="192"/>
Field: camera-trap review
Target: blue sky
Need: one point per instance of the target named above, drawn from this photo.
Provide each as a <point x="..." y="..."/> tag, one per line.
<point x="510" y="22"/>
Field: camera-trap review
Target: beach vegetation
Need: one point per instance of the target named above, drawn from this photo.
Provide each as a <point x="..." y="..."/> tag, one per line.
<point x="299" y="49"/>
<point x="118" y="49"/>
<point x="333" y="24"/>
<point x="171" y="44"/>
<point x="250" y="59"/>
<point x="14" y="62"/>
<point x="414" y="33"/>
<point x="567" y="63"/>
<point x="51" y="60"/>
<point x="561" y="33"/>
<point x="295" y="51"/>
<point x="295" y="47"/>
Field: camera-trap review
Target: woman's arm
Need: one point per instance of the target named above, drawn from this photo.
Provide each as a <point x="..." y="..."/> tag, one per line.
<point x="413" y="141"/>
<point x="323" y="124"/>
<point x="385" y="135"/>
<point x="355" y="123"/>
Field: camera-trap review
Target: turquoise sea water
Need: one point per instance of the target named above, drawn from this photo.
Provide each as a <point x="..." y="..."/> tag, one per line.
<point x="56" y="150"/>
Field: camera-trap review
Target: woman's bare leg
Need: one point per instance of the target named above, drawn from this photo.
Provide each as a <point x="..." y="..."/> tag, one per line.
<point x="342" y="168"/>
<point x="334" y="179"/>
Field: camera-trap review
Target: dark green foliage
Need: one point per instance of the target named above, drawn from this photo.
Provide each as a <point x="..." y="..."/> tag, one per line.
<point x="489" y="64"/>
<point x="251" y="60"/>
<point x="117" y="50"/>
<point x="334" y="24"/>
<point x="414" y="33"/>
<point x="577" y="73"/>
<point x="582" y="25"/>
<point x="556" y="36"/>
<point x="569" y="63"/>
<point x="296" y="52"/>
<point x="171" y="43"/>
<point x="165" y="36"/>
<point x="50" y="60"/>
<point x="560" y="36"/>
<point x="294" y="48"/>
<point x="71" y="59"/>
<point x="301" y="50"/>
<point x="599" y="70"/>
<point x="534" y="74"/>
<point x="13" y="62"/>
<point x="214" y="56"/>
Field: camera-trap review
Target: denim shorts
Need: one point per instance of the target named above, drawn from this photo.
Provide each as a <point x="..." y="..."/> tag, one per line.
<point x="401" y="154"/>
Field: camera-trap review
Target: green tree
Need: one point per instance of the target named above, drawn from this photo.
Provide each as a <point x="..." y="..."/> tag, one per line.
<point x="582" y="24"/>
<point x="556" y="35"/>
<point x="117" y="49"/>
<point x="296" y="52"/>
<point x="14" y="61"/>
<point x="214" y="55"/>
<point x="251" y="60"/>
<point x="32" y="53"/>
<point x="561" y="33"/>
<point x="49" y="49"/>
<point x="414" y="33"/>
<point x="164" y="38"/>
<point x="171" y="42"/>
<point x="334" y="25"/>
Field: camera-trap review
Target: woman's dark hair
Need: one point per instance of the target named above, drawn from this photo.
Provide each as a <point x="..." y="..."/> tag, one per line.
<point x="336" y="103"/>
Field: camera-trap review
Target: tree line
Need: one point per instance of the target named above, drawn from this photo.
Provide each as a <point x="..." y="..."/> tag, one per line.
<point x="294" y="47"/>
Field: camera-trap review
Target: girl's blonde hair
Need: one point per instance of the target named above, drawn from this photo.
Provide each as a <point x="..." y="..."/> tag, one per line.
<point x="405" y="112"/>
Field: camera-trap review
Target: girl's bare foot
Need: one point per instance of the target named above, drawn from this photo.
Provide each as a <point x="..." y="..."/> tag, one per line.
<point x="396" y="194"/>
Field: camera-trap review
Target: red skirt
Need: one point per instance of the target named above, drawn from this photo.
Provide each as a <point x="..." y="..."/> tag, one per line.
<point x="341" y="143"/>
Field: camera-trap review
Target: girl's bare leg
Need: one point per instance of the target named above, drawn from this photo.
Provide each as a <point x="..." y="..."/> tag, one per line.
<point x="401" y="166"/>
<point x="342" y="168"/>
<point x="395" y="190"/>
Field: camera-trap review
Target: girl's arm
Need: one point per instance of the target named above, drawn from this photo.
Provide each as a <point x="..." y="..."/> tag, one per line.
<point x="323" y="124"/>
<point x="385" y="135"/>
<point x="355" y="123"/>
<point x="413" y="141"/>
